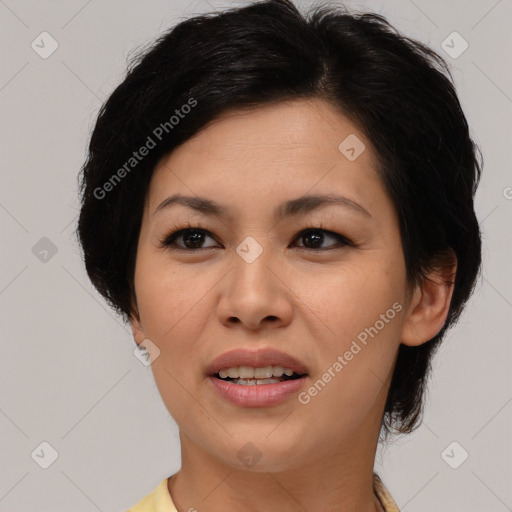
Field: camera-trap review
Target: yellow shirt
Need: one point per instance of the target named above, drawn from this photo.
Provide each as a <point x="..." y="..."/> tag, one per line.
<point x="160" y="499"/>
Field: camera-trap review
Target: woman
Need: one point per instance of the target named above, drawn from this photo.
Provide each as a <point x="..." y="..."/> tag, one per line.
<point x="282" y="207"/>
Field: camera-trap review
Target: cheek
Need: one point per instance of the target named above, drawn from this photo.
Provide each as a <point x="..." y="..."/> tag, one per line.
<point x="353" y="296"/>
<point x="360" y="311"/>
<point x="355" y="343"/>
<point x="174" y="307"/>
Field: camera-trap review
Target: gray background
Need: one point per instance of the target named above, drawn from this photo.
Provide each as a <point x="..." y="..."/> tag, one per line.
<point x="68" y="372"/>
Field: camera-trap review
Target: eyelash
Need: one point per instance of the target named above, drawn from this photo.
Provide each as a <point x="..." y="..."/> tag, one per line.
<point x="180" y="230"/>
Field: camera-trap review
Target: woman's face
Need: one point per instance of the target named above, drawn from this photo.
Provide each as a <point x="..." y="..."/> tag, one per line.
<point x="250" y="277"/>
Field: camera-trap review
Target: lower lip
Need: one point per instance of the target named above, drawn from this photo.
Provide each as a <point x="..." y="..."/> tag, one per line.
<point x="258" y="395"/>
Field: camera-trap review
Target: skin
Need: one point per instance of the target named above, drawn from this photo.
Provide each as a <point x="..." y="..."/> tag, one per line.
<point x="195" y="306"/>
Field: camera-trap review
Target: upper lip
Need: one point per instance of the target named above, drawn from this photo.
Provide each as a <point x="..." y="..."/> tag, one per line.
<point x="257" y="359"/>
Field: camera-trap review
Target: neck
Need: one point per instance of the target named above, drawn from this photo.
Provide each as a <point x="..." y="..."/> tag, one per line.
<point x="339" y="479"/>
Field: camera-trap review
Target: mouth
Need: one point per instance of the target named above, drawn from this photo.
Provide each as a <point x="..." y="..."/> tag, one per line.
<point x="256" y="378"/>
<point x="263" y="375"/>
<point x="253" y="365"/>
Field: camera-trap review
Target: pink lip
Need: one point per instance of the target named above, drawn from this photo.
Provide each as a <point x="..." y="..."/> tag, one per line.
<point x="256" y="358"/>
<point x="258" y="395"/>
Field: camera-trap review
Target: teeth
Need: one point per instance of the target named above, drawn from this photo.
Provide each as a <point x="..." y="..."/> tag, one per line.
<point x="263" y="373"/>
<point x="233" y="373"/>
<point x="248" y="372"/>
<point x="278" y="371"/>
<point x="252" y="382"/>
<point x="245" y="372"/>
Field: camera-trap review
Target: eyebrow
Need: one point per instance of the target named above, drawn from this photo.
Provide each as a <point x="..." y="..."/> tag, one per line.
<point x="293" y="207"/>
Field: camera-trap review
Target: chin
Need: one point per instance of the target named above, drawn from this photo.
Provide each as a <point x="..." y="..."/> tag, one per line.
<point x="259" y="453"/>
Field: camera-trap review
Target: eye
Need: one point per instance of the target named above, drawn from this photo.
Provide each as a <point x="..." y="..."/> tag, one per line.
<point x="316" y="237"/>
<point x="193" y="237"/>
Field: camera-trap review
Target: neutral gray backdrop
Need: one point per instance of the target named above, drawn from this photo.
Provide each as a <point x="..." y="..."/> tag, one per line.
<point x="69" y="376"/>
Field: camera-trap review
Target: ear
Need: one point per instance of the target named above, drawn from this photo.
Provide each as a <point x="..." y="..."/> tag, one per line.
<point x="136" y="325"/>
<point x="430" y="302"/>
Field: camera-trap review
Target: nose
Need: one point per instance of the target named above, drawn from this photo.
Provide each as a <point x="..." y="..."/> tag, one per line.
<point x="255" y="294"/>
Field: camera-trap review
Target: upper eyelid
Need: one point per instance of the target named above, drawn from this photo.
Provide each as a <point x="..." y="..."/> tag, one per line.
<point x="299" y="231"/>
<point x="175" y="234"/>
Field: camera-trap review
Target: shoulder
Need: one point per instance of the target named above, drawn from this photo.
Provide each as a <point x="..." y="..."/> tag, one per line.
<point x="158" y="500"/>
<point x="387" y="502"/>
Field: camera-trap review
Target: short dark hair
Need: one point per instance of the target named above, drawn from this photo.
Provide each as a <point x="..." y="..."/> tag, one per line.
<point x="399" y="91"/>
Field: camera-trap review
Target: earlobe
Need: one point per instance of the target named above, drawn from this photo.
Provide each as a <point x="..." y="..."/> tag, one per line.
<point x="135" y="322"/>
<point x="430" y="303"/>
<point x="137" y="330"/>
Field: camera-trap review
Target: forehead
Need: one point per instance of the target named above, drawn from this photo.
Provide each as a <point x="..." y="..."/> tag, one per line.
<point x="289" y="148"/>
<point x="306" y="124"/>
